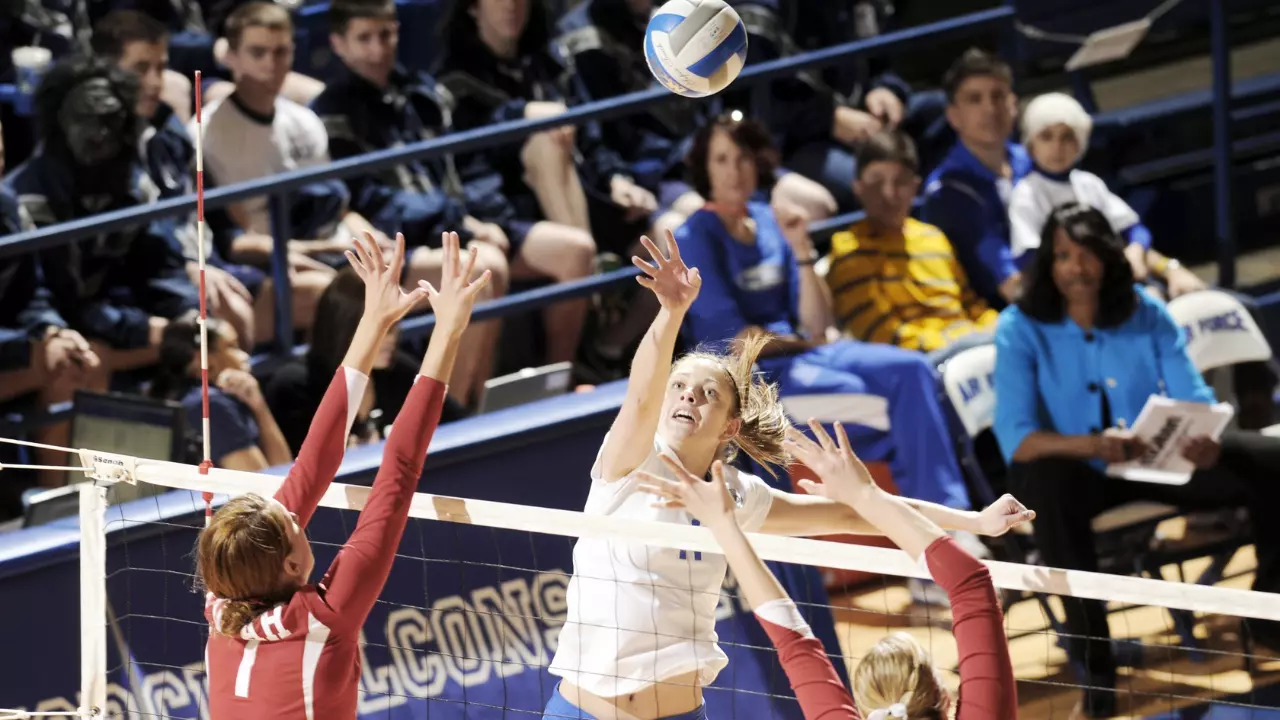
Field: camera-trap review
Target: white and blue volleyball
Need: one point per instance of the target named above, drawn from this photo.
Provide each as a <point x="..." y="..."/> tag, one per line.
<point x="695" y="47"/>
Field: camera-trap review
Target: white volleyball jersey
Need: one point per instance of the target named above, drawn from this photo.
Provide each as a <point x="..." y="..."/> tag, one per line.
<point x="1036" y="195"/>
<point x="637" y="614"/>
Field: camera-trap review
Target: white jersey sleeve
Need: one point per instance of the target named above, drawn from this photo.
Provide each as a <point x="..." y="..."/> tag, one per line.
<point x="756" y="500"/>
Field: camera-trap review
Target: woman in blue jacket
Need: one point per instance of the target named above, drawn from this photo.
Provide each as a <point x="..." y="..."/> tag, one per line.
<point x="1077" y="359"/>
<point x="758" y="276"/>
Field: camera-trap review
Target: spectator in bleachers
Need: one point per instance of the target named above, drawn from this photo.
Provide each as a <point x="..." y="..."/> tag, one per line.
<point x="967" y="195"/>
<point x="758" y="275"/>
<point x="372" y="104"/>
<point x="301" y="89"/>
<point x="295" y="389"/>
<point x="894" y="279"/>
<point x="121" y="288"/>
<point x="498" y="67"/>
<point x="243" y="434"/>
<point x="1055" y="132"/>
<point x="819" y="117"/>
<point x="256" y="132"/>
<point x="39" y="354"/>
<point x="1077" y="359"/>
<point x="603" y="42"/>
<point x="239" y="294"/>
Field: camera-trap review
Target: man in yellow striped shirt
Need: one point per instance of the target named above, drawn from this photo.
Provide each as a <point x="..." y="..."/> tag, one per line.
<point x="893" y="278"/>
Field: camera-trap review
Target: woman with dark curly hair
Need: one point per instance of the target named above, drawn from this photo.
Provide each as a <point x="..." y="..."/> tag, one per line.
<point x="1076" y="360"/>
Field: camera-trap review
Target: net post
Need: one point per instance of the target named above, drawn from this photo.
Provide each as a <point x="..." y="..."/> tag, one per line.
<point x="207" y="462"/>
<point x="93" y="600"/>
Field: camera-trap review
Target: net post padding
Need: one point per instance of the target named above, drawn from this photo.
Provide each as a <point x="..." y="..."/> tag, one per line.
<point x="93" y="600"/>
<point x="804" y="551"/>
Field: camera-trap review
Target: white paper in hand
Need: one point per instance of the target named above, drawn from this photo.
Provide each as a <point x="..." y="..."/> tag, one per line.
<point x="1165" y="425"/>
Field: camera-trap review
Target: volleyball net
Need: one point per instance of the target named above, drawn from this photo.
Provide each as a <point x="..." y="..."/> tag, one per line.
<point x="469" y="618"/>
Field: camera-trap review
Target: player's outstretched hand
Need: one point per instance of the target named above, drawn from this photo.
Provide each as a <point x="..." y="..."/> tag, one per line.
<point x="453" y="301"/>
<point x="844" y="478"/>
<point x="1003" y="515"/>
<point x="384" y="300"/>
<point x="709" y="502"/>
<point x="675" y="284"/>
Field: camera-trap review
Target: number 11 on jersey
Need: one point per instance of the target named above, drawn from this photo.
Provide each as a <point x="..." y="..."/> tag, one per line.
<point x="697" y="555"/>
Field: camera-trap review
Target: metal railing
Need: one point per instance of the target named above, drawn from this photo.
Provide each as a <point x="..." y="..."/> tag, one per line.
<point x="278" y="186"/>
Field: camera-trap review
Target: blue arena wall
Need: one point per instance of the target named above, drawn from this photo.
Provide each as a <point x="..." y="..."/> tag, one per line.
<point x="465" y="627"/>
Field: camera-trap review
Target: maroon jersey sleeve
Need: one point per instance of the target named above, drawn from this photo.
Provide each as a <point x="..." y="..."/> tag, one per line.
<point x="987" y="685"/>
<point x="356" y="577"/>
<point x="814" y="679"/>
<point x="326" y="443"/>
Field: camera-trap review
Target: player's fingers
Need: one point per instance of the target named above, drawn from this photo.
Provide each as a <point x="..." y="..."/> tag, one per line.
<point x="354" y="262"/>
<point x="646" y="282"/>
<point x="695" y="277"/>
<point x="471" y="263"/>
<point x="842" y="439"/>
<point x="375" y="248"/>
<point x="397" y="257"/>
<point x="479" y="283"/>
<point x="672" y="246"/>
<point x="801" y="443"/>
<point x="428" y="288"/>
<point x="813" y="488"/>
<point x="821" y="435"/>
<point x="449" y="251"/>
<point x="645" y="266"/>
<point x="659" y="259"/>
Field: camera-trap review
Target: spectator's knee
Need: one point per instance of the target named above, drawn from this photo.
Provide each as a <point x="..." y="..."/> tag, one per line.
<point x="579" y="252"/>
<point x="688" y="204"/>
<point x="542" y="151"/>
<point x="812" y="197"/>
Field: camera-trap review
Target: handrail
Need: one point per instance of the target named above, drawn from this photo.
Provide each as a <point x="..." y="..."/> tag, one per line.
<point x="420" y="326"/>
<point x="491" y="135"/>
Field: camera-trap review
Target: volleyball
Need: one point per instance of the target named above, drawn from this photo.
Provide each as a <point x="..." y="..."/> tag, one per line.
<point x="695" y="48"/>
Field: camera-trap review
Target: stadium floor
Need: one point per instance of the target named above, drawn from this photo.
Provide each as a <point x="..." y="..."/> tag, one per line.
<point x="1169" y="685"/>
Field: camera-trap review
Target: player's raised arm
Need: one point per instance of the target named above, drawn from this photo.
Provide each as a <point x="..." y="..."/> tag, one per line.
<point x="987" y="685"/>
<point x="384" y="305"/>
<point x="357" y="575"/>
<point x="818" y="687"/>
<point x="676" y="286"/>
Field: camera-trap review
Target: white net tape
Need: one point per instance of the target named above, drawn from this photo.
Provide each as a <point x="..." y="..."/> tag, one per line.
<point x="423" y="642"/>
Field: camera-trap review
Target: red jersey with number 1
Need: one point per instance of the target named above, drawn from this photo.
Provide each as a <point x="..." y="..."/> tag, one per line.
<point x="300" y="660"/>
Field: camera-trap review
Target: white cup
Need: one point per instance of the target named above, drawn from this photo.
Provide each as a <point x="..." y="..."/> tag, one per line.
<point x="29" y="64"/>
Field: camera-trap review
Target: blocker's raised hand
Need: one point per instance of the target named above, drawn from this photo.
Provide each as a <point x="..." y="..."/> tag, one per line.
<point x="384" y="299"/>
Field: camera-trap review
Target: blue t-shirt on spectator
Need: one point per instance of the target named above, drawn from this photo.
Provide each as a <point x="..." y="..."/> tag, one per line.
<point x="1051" y="376"/>
<point x="970" y="204"/>
<point x="742" y="284"/>
<point x="232" y="426"/>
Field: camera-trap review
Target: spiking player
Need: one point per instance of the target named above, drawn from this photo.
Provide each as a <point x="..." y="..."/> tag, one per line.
<point x="281" y="647"/>
<point x="639" y="636"/>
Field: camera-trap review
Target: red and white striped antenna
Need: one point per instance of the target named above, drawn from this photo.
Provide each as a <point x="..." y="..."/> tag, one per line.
<point x="207" y="462"/>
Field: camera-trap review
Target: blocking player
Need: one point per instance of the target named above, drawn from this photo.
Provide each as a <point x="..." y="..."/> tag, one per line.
<point x="281" y="646"/>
